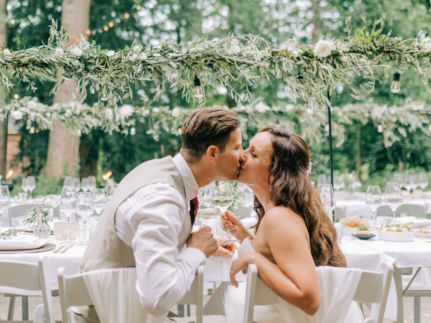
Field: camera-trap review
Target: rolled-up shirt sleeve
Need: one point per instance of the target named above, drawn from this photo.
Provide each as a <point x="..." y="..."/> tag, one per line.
<point x="164" y="274"/>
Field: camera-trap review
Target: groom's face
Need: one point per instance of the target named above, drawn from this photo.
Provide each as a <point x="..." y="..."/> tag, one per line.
<point x="228" y="164"/>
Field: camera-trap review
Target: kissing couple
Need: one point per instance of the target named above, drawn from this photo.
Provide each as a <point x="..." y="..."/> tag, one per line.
<point x="148" y="221"/>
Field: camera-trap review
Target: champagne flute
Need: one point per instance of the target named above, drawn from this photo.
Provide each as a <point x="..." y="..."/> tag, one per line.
<point x="85" y="184"/>
<point x="24" y="185"/>
<point x="31" y="184"/>
<point x="222" y="198"/>
<point x="76" y="184"/>
<point x="68" y="205"/>
<point x="4" y="201"/>
<point x="206" y="210"/>
<point x="327" y="197"/>
<point x="99" y="200"/>
<point x="85" y="208"/>
<point x="393" y="196"/>
<point x="374" y="199"/>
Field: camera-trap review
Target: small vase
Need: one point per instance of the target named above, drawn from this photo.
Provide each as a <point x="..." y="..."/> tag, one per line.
<point x="41" y="228"/>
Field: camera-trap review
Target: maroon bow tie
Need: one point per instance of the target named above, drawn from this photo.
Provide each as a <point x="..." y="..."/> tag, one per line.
<point x="194" y="207"/>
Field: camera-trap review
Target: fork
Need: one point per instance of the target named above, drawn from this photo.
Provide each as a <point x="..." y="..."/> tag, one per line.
<point x="56" y="251"/>
<point x="68" y="247"/>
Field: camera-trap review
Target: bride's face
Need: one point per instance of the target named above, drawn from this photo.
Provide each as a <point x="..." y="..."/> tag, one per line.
<point x="256" y="160"/>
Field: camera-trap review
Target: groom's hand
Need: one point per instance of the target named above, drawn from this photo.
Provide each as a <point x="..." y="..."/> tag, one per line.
<point x="203" y="239"/>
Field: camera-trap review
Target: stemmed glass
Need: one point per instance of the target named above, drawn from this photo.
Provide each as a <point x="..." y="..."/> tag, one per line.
<point x="207" y="210"/>
<point x="24" y="185"/>
<point x="422" y="180"/>
<point x="110" y="191"/>
<point x="338" y="183"/>
<point x="393" y="196"/>
<point x="321" y="179"/>
<point x="4" y="201"/>
<point x="31" y="184"/>
<point x="68" y="182"/>
<point x="413" y="182"/>
<point x="68" y="205"/>
<point x="99" y="200"/>
<point x="76" y="184"/>
<point x="327" y="197"/>
<point x="398" y="178"/>
<point x="92" y="181"/>
<point x="222" y="198"/>
<point x="85" y="208"/>
<point x="85" y="184"/>
<point x="374" y="200"/>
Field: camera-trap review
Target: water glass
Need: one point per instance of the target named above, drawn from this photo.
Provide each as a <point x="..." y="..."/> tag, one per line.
<point x="92" y="183"/>
<point x="4" y="201"/>
<point x="393" y="196"/>
<point x="422" y="180"/>
<point x="413" y="182"/>
<point x="76" y="184"/>
<point x="99" y="200"/>
<point x="327" y="197"/>
<point x="321" y="179"/>
<point x="85" y="208"/>
<point x="68" y="204"/>
<point x="339" y="230"/>
<point x="68" y="182"/>
<point x="374" y="199"/>
<point x="85" y="184"/>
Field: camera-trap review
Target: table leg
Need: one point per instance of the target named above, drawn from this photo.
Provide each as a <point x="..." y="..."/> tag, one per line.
<point x="24" y="308"/>
<point x="399" y="288"/>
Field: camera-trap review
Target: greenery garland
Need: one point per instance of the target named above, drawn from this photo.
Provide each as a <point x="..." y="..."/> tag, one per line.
<point x="81" y="118"/>
<point x="236" y="62"/>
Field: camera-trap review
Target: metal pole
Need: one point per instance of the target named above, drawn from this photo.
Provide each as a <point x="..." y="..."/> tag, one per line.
<point x="6" y="121"/>
<point x="330" y="143"/>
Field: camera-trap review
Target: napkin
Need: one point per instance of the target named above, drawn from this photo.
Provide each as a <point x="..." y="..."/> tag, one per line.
<point x="417" y="223"/>
<point x="20" y="242"/>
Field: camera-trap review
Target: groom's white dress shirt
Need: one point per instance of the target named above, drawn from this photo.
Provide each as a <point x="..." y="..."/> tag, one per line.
<point x="149" y="222"/>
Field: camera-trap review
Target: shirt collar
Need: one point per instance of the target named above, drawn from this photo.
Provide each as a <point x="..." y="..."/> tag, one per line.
<point x="189" y="180"/>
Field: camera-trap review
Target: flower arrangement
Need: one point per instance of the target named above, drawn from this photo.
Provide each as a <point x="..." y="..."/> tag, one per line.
<point x="41" y="213"/>
<point x="8" y="234"/>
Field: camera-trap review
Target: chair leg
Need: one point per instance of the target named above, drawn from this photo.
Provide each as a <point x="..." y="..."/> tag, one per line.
<point x="24" y="308"/>
<point x="188" y="310"/>
<point x="180" y="309"/>
<point x="11" y="308"/>
<point x="416" y="309"/>
<point x="362" y="308"/>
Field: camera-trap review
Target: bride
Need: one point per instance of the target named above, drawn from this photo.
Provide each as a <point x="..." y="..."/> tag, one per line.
<point x="293" y="233"/>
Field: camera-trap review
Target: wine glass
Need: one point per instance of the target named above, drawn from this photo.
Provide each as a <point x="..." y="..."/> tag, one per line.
<point x="393" y="196"/>
<point x="374" y="199"/>
<point x="206" y="210"/>
<point x="338" y="183"/>
<point x="99" y="200"/>
<point x="68" y="182"/>
<point x="110" y="191"/>
<point x="24" y="185"/>
<point x="321" y="179"/>
<point x="327" y="197"/>
<point x="76" y="184"/>
<point x="398" y="178"/>
<point x="68" y="205"/>
<point x="31" y="184"/>
<point x="222" y="198"/>
<point x="4" y="201"/>
<point x="423" y="180"/>
<point x="92" y="181"/>
<point x="84" y="208"/>
<point x="413" y="182"/>
<point x="85" y="184"/>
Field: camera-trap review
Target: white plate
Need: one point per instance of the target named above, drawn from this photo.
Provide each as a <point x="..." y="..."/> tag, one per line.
<point x="38" y="244"/>
<point x="397" y="236"/>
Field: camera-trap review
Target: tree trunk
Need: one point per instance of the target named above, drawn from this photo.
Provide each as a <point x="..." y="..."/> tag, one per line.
<point x="63" y="145"/>
<point x="316" y="23"/>
<point x="358" y="153"/>
<point x="88" y="168"/>
<point x="3" y="134"/>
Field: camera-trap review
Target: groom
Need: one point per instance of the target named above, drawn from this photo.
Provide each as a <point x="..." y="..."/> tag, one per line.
<point x="147" y="223"/>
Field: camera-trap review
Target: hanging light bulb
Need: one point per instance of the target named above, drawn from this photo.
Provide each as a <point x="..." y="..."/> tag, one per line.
<point x="138" y="7"/>
<point x="32" y="129"/>
<point x="104" y="98"/>
<point x="198" y="89"/>
<point x="111" y="24"/>
<point x="126" y="15"/>
<point x="179" y="131"/>
<point x="132" y="131"/>
<point x="16" y="96"/>
<point x="88" y="32"/>
<point x="380" y="128"/>
<point x="396" y="85"/>
<point x="78" y="132"/>
<point x="327" y="127"/>
<point x="105" y="28"/>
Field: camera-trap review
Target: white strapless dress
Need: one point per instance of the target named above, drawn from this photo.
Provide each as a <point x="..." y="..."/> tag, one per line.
<point x="233" y="301"/>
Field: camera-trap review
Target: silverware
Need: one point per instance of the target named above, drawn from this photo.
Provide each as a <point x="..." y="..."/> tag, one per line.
<point x="56" y="251"/>
<point x="68" y="247"/>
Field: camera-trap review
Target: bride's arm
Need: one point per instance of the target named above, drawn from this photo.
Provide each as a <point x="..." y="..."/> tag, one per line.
<point x="294" y="278"/>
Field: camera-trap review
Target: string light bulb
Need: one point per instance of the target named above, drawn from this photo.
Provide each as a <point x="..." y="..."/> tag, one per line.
<point x="132" y="131"/>
<point x="126" y="15"/>
<point x="179" y="131"/>
<point x="105" y="28"/>
<point x="88" y="32"/>
<point x="138" y="7"/>
<point x="78" y="132"/>
<point x="380" y="128"/>
<point x="327" y="127"/>
<point x="32" y="129"/>
<point x="198" y="89"/>
<point x="111" y="24"/>
<point x="16" y="96"/>
<point x="396" y="85"/>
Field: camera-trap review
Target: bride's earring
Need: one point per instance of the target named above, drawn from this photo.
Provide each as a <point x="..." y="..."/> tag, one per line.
<point x="270" y="186"/>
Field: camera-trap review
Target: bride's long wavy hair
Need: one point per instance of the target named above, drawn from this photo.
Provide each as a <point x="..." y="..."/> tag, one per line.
<point x="291" y="187"/>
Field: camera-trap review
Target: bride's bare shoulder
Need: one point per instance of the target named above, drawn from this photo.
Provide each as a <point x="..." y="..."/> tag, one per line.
<point x="281" y="216"/>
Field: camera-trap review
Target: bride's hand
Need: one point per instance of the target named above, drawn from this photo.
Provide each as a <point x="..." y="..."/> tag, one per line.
<point x="241" y="264"/>
<point x="236" y="228"/>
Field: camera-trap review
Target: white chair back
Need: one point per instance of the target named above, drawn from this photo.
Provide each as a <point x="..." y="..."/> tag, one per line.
<point x="339" y="212"/>
<point x="17" y="213"/>
<point x="361" y="210"/>
<point x="31" y="277"/>
<point x="384" y="210"/>
<point x="412" y="209"/>
<point x="373" y="288"/>
<point x="73" y="291"/>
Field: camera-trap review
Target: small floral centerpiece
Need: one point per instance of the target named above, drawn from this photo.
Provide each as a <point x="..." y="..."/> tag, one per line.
<point x="37" y="218"/>
<point x="8" y="234"/>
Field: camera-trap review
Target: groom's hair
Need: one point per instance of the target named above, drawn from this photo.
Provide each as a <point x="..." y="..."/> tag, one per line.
<point x="206" y="127"/>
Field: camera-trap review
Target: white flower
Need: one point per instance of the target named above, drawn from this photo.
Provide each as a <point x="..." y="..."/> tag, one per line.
<point x="136" y="49"/>
<point x="53" y="203"/>
<point x="156" y="110"/>
<point x="32" y="104"/>
<point x="261" y="107"/>
<point x="142" y="56"/>
<point x="17" y="115"/>
<point x="108" y="113"/>
<point x="309" y="168"/>
<point x="6" y="52"/>
<point x="289" y="107"/>
<point x="234" y="50"/>
<point x="110" y="53"/>
<point x="126" y="111"/>
<point x="76" y="51"/>
<point x="133" y="57"/>
<point x="176" y="112"/>
<point x="323" y="48"/>
<point x="59" y="51"/>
